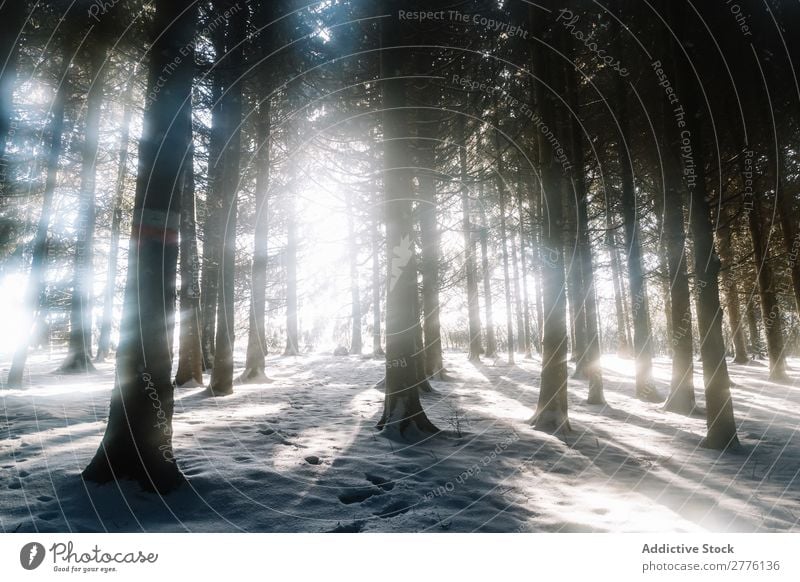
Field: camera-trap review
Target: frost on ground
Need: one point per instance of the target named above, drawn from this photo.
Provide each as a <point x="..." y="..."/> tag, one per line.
<point x="302" y="454"/>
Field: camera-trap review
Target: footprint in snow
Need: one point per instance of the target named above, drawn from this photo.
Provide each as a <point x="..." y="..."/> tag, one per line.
<point x="358" y="495"/>
<point x="378" y="481"/>
<point x="393" y="509"/>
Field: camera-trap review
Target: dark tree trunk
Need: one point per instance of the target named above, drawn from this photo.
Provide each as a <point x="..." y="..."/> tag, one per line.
<point x="681" y="398"/>
<point x="190" y="351"/>
<point x="756" y="347"/>
<point x="104" y="341"/>
<point x="430" y="242"/>
<point x="731" y="287"/>
<point x="552" y="409"/>
<point x="138" y="440"/>
<point x="79" y="355"/>
<point x="589" y="360"/>
<point x="766" y="287"/>
<point x="36" y="288"/>
<point x="356" y="343"/>
<point x="491" y="341"/>
<point x="255" y="363"/>
<point x="501" y="191"/>
<point x="402" y="413"/>
<point x="720" y="422"/>
<point x="377" y="350"/>
<point x="222" y="374"/>
<point x="789" y="225"/>
<point x="620" y="300"/>
<point x="473" y="307"/>
<point x="12" y="19"/>
<point x="645" y="388"/>
<point x="523" y="259"/>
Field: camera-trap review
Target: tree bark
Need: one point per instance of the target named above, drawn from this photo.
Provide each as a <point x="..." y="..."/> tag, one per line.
<point x="491" y="341"/>
<point x="473" y="307"/>
<point x="222" y="374"/>
<point x="79" y="354"/>
<point x="12" y="19"/>
<point x="255" y="363"/>
<point x="403" y="414"/>
<point x="731" y="287"/>
<point x="104" y="341"/>
<point x="138" y="440"/>
<point x="645" y="388"/>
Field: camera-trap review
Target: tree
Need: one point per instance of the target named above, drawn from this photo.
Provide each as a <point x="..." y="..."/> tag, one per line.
<point x="137" y="443"/>
<point x="402" y="410"/>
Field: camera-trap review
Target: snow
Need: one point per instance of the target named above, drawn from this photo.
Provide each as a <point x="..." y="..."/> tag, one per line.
<point x="302" y="454"/>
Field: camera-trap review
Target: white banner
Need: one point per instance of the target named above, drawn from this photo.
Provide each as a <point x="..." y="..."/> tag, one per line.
<point x="401" y="557"/>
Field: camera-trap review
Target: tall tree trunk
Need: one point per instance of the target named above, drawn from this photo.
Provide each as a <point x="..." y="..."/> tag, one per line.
<point x="104" y="341"/>
<point x="501" y="191"/>
<point x="473" y="307"/>
<point x="756" y="347"/>
<point x="12" y="19"/>
<point x="138" y="440"/>
<point x="773" y="326"/>
<point x="430" y="242"/>
<point x="255" y="364"/>
<point x="645" y="388"/>
<point x="526" y="311"/>
<point x="292" y="335"/>
<point x="552" y="409"/>
<point x="590" y="358"/>
<point x="377" y="349"/>
<point x="79" y="356"/>
<point x="731" y="287"/>
<point x="356" y="344"/>
<point x="681" y="398"/>
<point x="402" y="412"/>
<point x="491" y="341"/>
<point x="789" y="222"/>
<point x="190" y="351"/>
<point x="721" y="433"/>
<point x="34" y="293"/>
<point x="222" y="374"/>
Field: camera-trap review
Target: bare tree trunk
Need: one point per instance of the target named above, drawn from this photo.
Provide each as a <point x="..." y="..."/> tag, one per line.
<point x="12" y="19"/>
<point x="79" y="356"/>
<point x="645" y="388"/>
<point x="552" y="409"/>
<point x="731" y="287"/>
<point x="501" y="190"/>
<point x="491" y="341"/>
<point x="104" y="341"/>
<point x="526" y="311"/>
<point x="255" y="364"/>
<point x="138" y="440"/>
<point x="222" y="374"/>
<point x="473" y="307"/>
<point x="430" y="242"/>
<point x="355" y="294"/>
<point x="190" y="352"/>
<point x="402" y="412"/>
<point x="377" y="350"/>
<point x="34" y="293"/>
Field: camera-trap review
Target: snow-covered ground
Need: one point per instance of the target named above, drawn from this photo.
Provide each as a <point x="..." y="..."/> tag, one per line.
<point x="301" y="454"/>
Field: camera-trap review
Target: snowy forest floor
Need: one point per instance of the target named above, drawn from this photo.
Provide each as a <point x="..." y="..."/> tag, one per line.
<point x="302" y="454"/>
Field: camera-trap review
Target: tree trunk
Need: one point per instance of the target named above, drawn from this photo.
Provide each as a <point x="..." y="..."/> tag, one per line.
<point x="34" y="294"/>
<point x="255" y="364"/>
<point x="681" y="398"/>
<point x="552" y="409"/>
<point x="501" y="191"/>
<point x="222" y="374"/>
<point x="731" y="287"/>
<point x="12" y="19"/>
<point x="79" y="356"/>
<point x="292" y="335"/>
<point x="430" y="242"/>
<point x="138" y="440"/>
<point x="104" y="341"/>
<point x="645" y="388"/>
<point x="190" y="351"/>
<point x="355" y="293"/>
<point x="377" y="349"/>
<point x="756" y="347"/>
<point x="526" y="311"/>
<point x="491" y="341"/>
<point x="773" y="326"/>
<point x="473" y="308"/>
<point x="402" y="413"/>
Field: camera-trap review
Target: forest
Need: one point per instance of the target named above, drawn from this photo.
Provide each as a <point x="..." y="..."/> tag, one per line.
<point x="399" y="266"/>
